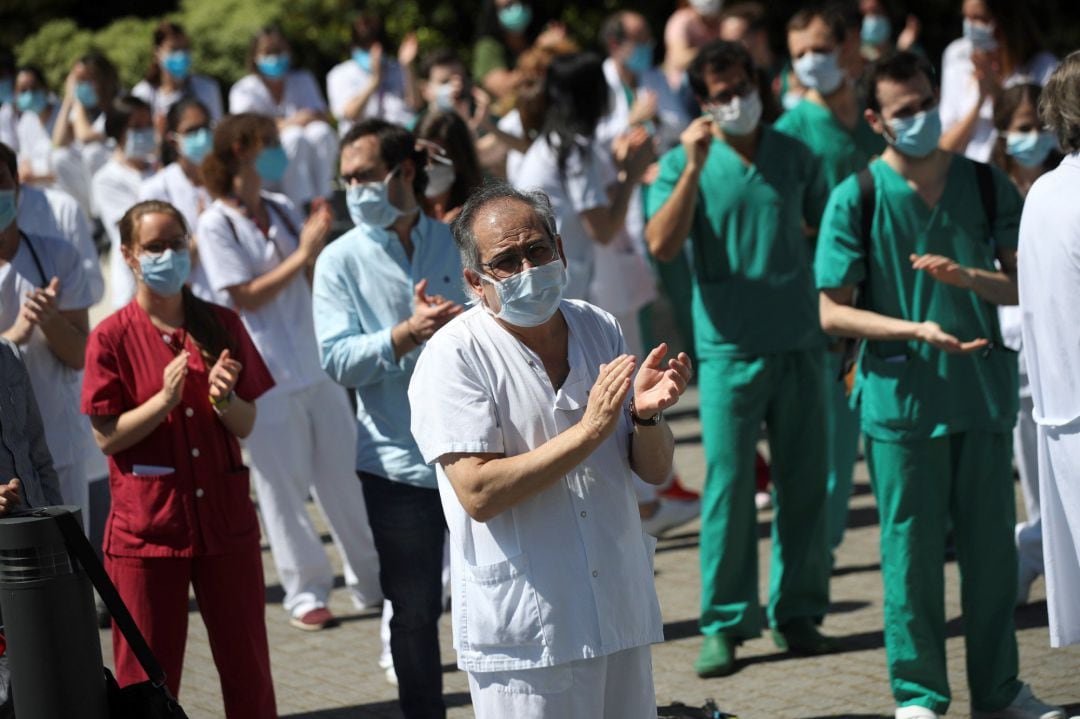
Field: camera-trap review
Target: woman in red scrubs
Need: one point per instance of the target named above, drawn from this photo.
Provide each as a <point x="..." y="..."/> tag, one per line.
<point x="170" y="385"/>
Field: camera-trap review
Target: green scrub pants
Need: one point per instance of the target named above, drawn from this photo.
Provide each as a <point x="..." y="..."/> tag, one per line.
<point x="920" y="485"/>
<point x="738" y="394"/>
<point x="842" y="445"/>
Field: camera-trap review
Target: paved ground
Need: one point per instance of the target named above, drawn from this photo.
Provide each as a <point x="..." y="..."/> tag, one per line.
<point x="333" y="674"/>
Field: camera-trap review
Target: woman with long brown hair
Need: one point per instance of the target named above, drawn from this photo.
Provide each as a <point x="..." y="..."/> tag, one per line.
<point x="170" y="385"/>
<point x="257" y="254"/>
<point x="170" y="79"/>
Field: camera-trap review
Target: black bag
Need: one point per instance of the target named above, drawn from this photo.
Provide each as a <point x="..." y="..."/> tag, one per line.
<point x="145" y="700"/>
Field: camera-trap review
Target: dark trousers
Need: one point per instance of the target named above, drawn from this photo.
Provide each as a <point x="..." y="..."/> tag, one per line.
<point x="408" y="527"/>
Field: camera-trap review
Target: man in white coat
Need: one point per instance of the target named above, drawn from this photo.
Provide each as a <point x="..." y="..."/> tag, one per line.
<point x="529" y="406"/>
<point x="1049" y="278"/>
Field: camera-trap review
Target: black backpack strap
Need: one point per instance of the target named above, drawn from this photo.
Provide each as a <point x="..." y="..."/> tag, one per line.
<point x="984" y="177"/>
<point x="78" y="545"/>
<point x="283" y="216"/>
<point x="867" y="207"/>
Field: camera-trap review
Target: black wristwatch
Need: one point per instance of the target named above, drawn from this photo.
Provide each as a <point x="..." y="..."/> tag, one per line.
<point x="644" y="422"/>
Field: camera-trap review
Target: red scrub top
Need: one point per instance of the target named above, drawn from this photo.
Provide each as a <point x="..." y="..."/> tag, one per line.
<point x="203" y="506"/>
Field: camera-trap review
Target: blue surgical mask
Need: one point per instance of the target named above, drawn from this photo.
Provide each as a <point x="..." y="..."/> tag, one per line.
<point x="515" y="17"/>
<point x="32" y="101"/>
<point x="7" y="90"/>
<point x="86" y="94"/>
<point x="820" y="71"/>
<point x="918" y="135"/>
<point x="165" y="274"/>
<point x="196" y="145"/>
<point x="640" y="60"/>
<point x="271" y="163"/>
<point x="177" y="63"/>
<point x="362" y="58"/>
<point x="8" y="208"/>
<point x="369" y="203"/>
<point x="1029" y="149"/>
<point x="981" y="35"/>
<point x="876" y="30"/>
<point x="273" y="66"/>
<point x="140" y="144"/>
<point x="444" y="97"/>
<point x="530" y="298"/>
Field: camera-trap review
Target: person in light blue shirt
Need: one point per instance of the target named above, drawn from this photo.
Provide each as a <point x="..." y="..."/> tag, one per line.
<point x="380" y="292"/>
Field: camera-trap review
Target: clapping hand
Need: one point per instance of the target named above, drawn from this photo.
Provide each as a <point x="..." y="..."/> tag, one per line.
<point x="223" y="376"/>
<point x="657" y="387"/>
<point x="944" y="269"/>
<point x="9" y="496"/>
<point x="430" y="312"/>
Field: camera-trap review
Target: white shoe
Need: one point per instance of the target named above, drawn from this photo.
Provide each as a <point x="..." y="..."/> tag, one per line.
<point x="915" y="712"/>
<point x="1024" y="706"/>
<point x="391" y="676"/>
<point x="1025" y="577"/>
<point x="762" y="500"/>
<point x="669" y="514"/>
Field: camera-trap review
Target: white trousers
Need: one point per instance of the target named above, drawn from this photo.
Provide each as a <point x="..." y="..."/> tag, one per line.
<point x="305" y="441"/>
<point x="312" y="151"/>
<point x="1059" y="486"/>
<point x="617" y="686"/>
<point x="1029" y="545"/>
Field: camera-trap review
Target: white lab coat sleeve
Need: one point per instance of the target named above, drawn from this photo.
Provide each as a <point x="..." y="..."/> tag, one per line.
<point x="339" y="90"/>
<point x="77" y="227"/>
<point x="221" y="253"/>
<point x="586" y="180"/>
<point x="452" y="409"/>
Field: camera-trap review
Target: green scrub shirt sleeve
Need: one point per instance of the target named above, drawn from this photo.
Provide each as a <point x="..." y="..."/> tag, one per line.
<point x="671" y="167"/>
<point x="1006" y="228"/>
<point x="840" y="259"/>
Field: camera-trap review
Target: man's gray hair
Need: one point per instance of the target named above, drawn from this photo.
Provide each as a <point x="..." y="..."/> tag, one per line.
<point x="491" y="192"/>
<point x="1059" y="104"/>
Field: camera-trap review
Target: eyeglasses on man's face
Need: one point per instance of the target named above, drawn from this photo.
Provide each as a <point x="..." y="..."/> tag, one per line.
<point x="505" y="264"/>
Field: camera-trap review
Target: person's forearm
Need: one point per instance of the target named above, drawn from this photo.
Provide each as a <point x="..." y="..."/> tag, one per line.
<point x="957" y="137"/>
<point x="995" y="287"/>
<point x="651" y="452"/>
<point x="846" y="321"/>
<point x="62" y="135"/>
<point x="668" y="229"/>
<point x="354" y="108"/>
<point x="412" y="89"/>
<point x="496" y="485"/>
<point x="239" y="418"/>
<point x="132" y="426"/>
<point x="521" y="144"/>
<point x="67" y="342"/>
<point x="402" y="340"/>
<point x="264" y="288"/>
<point x="83" y="129"/>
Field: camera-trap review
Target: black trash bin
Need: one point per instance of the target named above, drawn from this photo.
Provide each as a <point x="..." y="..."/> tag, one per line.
<point x="47" y="602"/>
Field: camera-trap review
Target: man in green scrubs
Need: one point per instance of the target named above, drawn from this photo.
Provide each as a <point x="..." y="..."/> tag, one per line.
<point x="829" y="121"/>
<point x="938" y="391"/>
<point x="743" y="194"/>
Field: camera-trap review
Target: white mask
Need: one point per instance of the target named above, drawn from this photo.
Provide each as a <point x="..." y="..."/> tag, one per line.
<point x="740" y="116"/>
<point x="820" y="71"/>
<point x="440" y="178"/>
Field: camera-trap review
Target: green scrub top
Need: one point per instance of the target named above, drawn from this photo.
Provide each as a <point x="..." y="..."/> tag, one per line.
<point x="911" y="390"/>
<point x="753" y="277"/>
<point x="841" y="151"/>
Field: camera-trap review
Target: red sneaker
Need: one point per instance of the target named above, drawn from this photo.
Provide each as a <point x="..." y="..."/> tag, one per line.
<point x="678" y="492"/>
<point x="314" y="620"/>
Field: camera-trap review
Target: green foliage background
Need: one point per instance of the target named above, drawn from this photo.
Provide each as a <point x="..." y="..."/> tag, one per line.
<point x="43" y="32"/>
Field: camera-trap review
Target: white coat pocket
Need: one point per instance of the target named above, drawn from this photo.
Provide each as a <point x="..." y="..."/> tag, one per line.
<point x="501" y="605"/>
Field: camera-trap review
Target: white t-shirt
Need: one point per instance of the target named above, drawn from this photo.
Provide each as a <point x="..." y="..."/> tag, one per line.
<point x="582" y="187"/>
<point x="250" y="94"/>
<point x="510" y="123"/>
<point x="567" y="573"/>
<point x="57" y="387"/>
<point x="114" y="189"/>
<point x="203" y="88"/>
<point x="55" y="213"/>
<point x="347" y="79"/>
<point x="35" y="140"/>
<point x="171" y="185"/>
<point x="960" y="92"/>
<point x="8" y="123"/>
<point x="233" y="251"/>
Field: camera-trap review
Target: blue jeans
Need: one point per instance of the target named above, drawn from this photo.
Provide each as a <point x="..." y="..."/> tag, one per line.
<point x="408" y="527"/>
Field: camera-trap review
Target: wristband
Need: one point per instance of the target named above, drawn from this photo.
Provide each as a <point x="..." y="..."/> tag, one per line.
<point x="222" y="405"/>
<point x="644" y="422"/>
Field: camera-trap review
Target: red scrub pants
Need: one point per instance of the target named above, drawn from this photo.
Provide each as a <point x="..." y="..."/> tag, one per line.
<point x="230" y="593"/>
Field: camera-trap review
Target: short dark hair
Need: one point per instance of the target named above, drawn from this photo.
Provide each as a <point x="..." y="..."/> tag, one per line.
<point x="718" y="56"/>
<point x="438" y="57"/>
<point x="899" y="67"/>
<point x="7" y="157"/>
<point x="612" y="30"/>
<point x="835" y="21"/>
<point x="35" y="72"/>
<point x="496" y="191"/>
<point x="119" y="113"/>
<point x="396" y="145"/>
